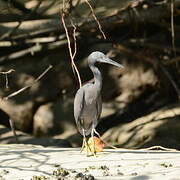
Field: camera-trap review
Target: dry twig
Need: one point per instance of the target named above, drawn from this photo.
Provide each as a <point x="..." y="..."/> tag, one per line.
<point x="173" y="34"/>
<point x="153" y="148"/>
<point x="11" y="122"/>
<point x="72" y="55"/>
<point x="6" y="76"/>
<point x="28" y="86"/>
<point x="7" y="72"/>
<point x="99" y="25"/>
<point x="31" y="50"/>
<point x="74" y="37"/>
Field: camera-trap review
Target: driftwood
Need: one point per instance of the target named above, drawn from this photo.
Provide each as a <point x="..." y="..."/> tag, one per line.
<point x="149" y="130"/>
<point x="124" y="16"/>
<point x="24" y="31"/>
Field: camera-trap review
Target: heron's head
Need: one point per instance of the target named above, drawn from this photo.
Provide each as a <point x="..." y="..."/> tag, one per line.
<point x="99" y="57"/>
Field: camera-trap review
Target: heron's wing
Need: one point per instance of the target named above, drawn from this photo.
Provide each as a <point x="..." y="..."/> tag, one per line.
<point x="99" y="107"/>
<point x="78" y="104"/>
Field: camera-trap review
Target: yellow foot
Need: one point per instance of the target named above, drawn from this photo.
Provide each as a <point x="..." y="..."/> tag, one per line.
<point x="95" y="145"/>
<point x="92" y="146"/>
<point x="85" y="146"/>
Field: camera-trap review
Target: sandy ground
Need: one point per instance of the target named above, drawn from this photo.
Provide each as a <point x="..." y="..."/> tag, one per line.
<point x="36" y="162"/>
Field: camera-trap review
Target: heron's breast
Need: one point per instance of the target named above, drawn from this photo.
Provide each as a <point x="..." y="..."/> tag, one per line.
<point x="89" y="111"/>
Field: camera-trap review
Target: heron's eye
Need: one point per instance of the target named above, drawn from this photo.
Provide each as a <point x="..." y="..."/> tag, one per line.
<point x="97" y="63"/>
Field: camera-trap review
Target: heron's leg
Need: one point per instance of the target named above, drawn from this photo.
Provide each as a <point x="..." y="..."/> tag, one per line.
<point x="84" y="141"/>
<point x="97" y="133"/>
<point x="85" y="144"/>
<point x="94" y="146"/>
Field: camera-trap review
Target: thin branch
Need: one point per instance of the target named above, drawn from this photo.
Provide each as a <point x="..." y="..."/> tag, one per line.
<point x="6" y="76"/>
<point x="75" y="50"/>
<point x="172" y="26"/>
<point x="99" y="25"/>
<point x="7" y="72"/>
<point x="74" y="37"/>
<point x="20" y="53"/>
<point x="174" y="60"/>
<point x="69" y="47"/>
<point x="31" y="50"/>
<point x="173" y="34"/>
<point x="28" y="86"/>
<point x="11" y="122"/>
<point x="169" y="76"/>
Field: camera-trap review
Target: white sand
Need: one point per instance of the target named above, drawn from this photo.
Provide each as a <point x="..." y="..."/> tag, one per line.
<point x="26" y="161"/>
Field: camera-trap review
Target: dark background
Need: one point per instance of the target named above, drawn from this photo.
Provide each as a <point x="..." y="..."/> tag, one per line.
<point x="140" y="104"/>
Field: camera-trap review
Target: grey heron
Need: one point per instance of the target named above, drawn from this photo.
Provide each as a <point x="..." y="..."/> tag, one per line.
<point x="87" y="102"/>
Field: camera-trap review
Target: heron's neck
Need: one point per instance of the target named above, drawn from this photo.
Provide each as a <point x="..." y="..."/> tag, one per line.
<point x="97" y="77"/>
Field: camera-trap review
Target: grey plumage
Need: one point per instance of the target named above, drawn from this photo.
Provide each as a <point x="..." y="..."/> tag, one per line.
<point x="87" y="102"/>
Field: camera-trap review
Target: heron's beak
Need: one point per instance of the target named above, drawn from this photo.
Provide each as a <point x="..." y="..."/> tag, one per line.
<point x="110" y="61"/>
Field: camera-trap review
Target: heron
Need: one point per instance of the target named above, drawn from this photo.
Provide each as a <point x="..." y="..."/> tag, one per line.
<point x="87" y="101"/>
